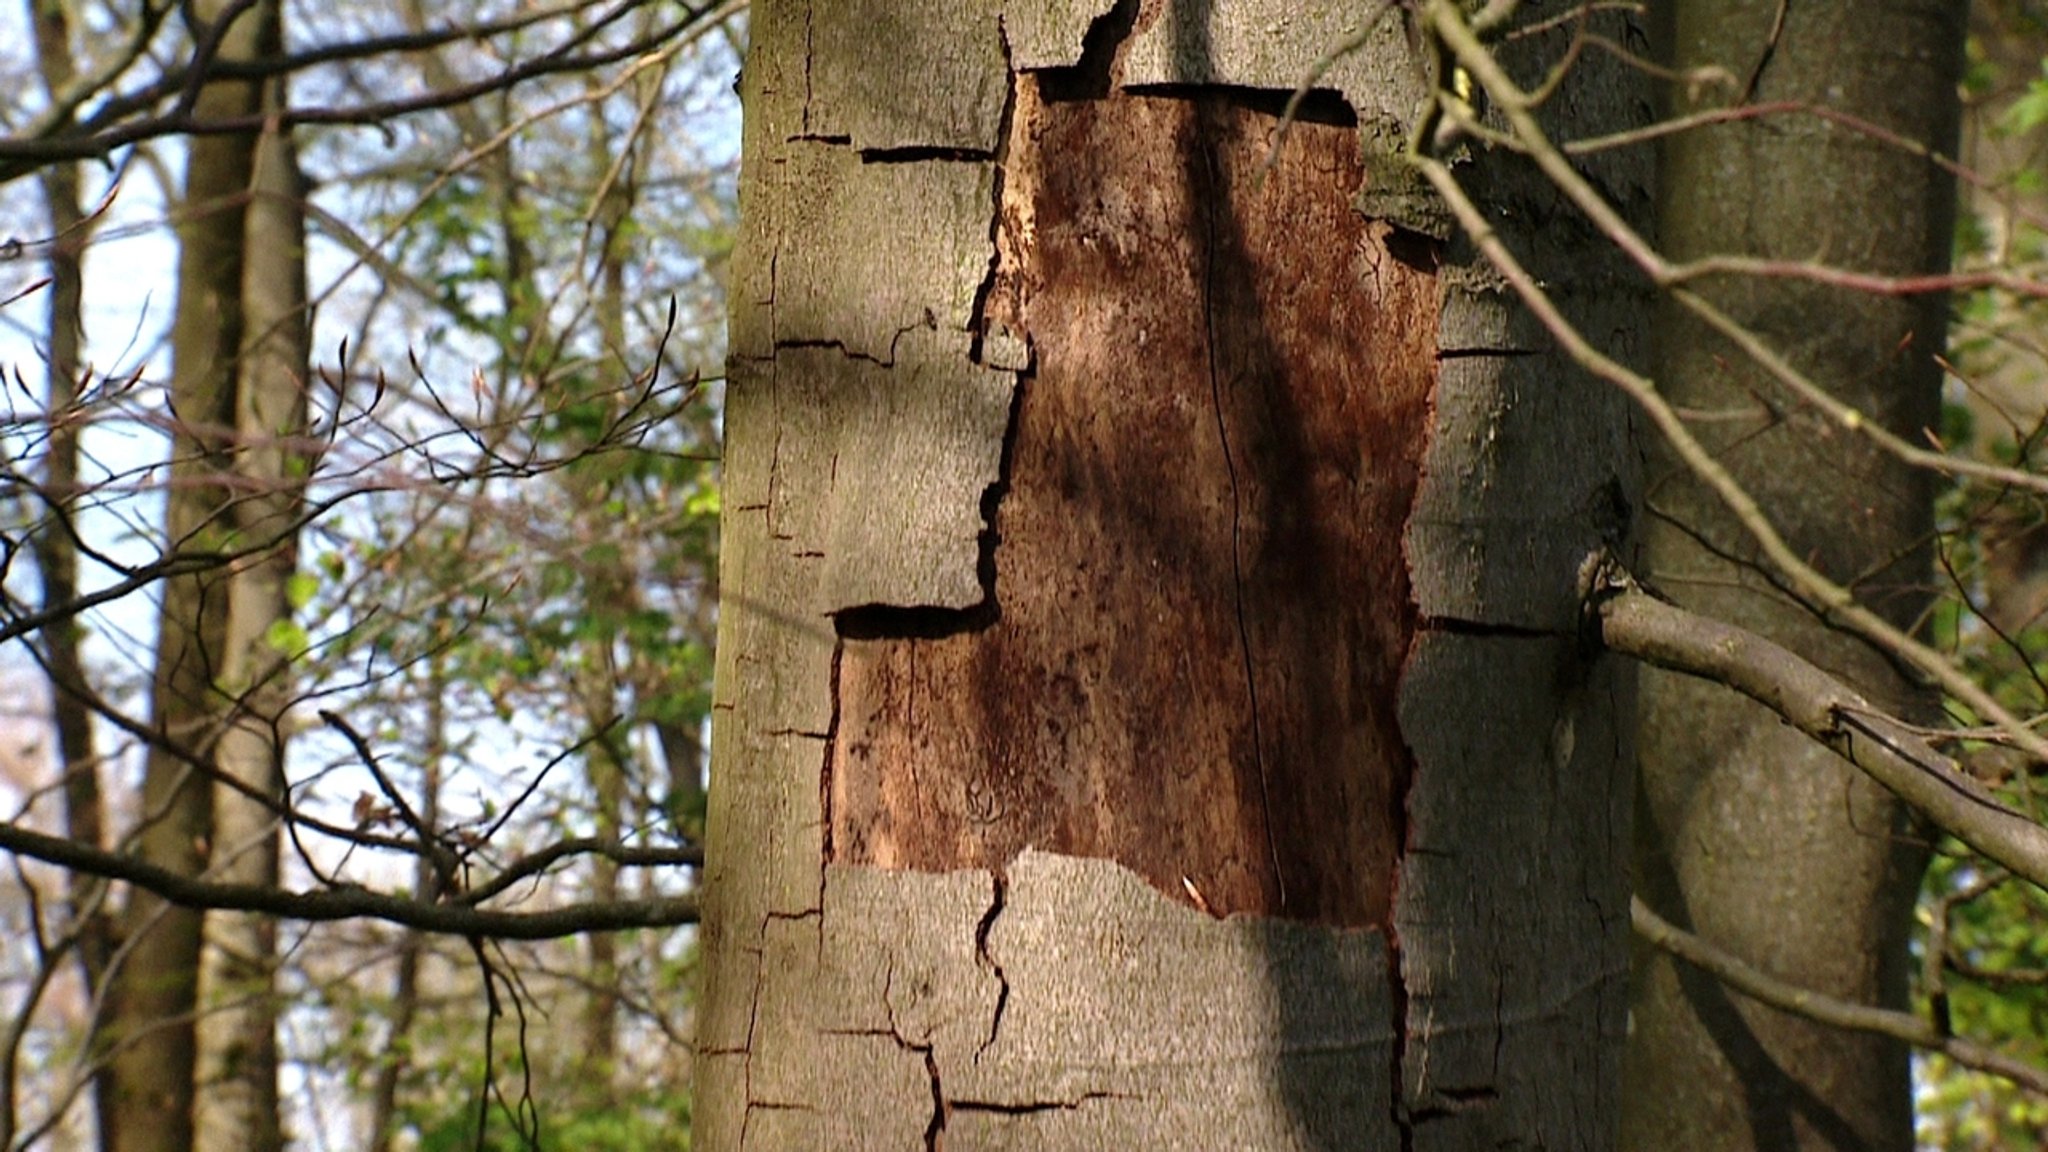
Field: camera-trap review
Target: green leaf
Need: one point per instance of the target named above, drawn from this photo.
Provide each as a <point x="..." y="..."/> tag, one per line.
<point x="300" y="588"/>
<point x="2030" y="111"/>
<point x="703" y="502"/>
<point x="287" y="637"/>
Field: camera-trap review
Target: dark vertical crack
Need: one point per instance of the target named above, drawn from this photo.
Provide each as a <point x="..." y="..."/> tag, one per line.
<point x="809" y="63"/>
<point x="829" y="767"/>
<point x="753" y="1022"/>
<point x="1500" y="1021"/>
<point x="977" y="324"/>
<point x="1397" y="981"/>
<point x="997" y="899"/>
<point x="1093" y="74"/>
<point x="1244" y="637"/>
<point x="937" y="1125"/>
<point x="1397" y="1104"/>
<point x="934" y="1131"/>
<point x="992" y="496"/>
<point x="774" y="473"/>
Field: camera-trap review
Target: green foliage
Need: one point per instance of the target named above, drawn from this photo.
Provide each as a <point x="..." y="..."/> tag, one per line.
<point x="1995" y="986"/>
<point x="2030" y="110"/>
<point x="288" y="638"/>
<point x="651" y="1120"/>
<point x="1982" y="950"/>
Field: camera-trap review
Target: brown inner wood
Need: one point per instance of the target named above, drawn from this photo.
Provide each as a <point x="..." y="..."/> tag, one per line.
<point x="1202" y="600"/>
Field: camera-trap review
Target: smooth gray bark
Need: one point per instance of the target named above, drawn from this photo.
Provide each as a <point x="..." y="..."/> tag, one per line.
<point x="1750" y="834"/>
<point x="153" y="990"/>
<point x="237" y="1105"/>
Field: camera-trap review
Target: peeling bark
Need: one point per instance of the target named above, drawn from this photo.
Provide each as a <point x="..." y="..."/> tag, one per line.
<point x="1150" y="708"/>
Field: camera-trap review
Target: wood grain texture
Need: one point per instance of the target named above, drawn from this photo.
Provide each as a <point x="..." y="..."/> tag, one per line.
<point x="1203" y="605"/>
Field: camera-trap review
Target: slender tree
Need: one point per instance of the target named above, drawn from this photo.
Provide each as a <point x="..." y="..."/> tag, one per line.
<point x="155" y="985"/>
<point x="55" y="545"/>
<point x="237" y="1071"/>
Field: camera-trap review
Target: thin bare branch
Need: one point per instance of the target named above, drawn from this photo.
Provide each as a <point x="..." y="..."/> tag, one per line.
<point x="1767" y="989"/>
<point x="351" y="903"/>
<point x="1635" y="623"/>
<point x="1831" y="600"/>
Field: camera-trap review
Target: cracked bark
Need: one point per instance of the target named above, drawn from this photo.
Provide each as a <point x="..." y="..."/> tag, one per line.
<point x="1090" y="484"/>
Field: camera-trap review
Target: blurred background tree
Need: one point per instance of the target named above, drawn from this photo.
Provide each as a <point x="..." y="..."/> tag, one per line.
<point x="477" y="528"/>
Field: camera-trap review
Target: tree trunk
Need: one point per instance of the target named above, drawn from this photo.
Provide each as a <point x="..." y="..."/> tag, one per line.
<point x="1150" y="707"/>
<point x="237" y="1102"/>
<point x="56" y="554"/>
<point x="605" y="771"/>
<point x="153" y="994"/>
<point x="608" y="595"/>
<point x="1750" y="834"/>
<point x="395" y="1062"/>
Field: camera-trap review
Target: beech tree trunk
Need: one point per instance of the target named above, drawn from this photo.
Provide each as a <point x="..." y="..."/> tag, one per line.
<point x="56" y="553"/>
<point x="154" y="988"/>
<point x="1751" y="835"/>
<point x="237" y="1070"/>
<point x="1151" y="709"/>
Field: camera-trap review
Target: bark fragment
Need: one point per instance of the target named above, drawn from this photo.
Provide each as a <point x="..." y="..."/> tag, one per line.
<point x="1215" y="1022"/>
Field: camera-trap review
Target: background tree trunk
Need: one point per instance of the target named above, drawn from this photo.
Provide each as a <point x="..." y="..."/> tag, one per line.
<point x="1748" y="833"/>
<point x="56" y="552"/>
<point x="396" y="1061"/>
<point x="154" y="989"/>
<point x="237" y="1070"/>
<point x="1121" y="534"/>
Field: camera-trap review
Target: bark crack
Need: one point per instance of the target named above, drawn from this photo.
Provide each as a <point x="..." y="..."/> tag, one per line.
<point x="1476" y="353"/>
<point x="977" y="324"/>
<point x="937" y="1125"/>
<point x="753" y="1022"/>
<point x="998" y="898"/>
<point x="829" y="768"/>
<point x="1244" y="637"/>
<point x="1459" y="626"/>
<point x="810" y="55"/>
<point x="774" y="474"/>
<point x="1397" y="1106"/>
<point x="925" y="153"/>
<point x="841" y="347"/>
<point x="1033" y="1107"/>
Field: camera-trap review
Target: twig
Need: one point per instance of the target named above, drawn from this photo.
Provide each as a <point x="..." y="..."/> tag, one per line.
<point x="350" y="903"/>
<point x="1785" y="997"/>
<point x="1833" y="601"/>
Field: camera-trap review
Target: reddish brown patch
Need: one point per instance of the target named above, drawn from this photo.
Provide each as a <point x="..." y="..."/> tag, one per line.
<point x="1203" y="601"/>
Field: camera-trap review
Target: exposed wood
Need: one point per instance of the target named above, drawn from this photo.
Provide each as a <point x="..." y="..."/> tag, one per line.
<point x="1201" y="608"/>
<point x="1223" y="768"/>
